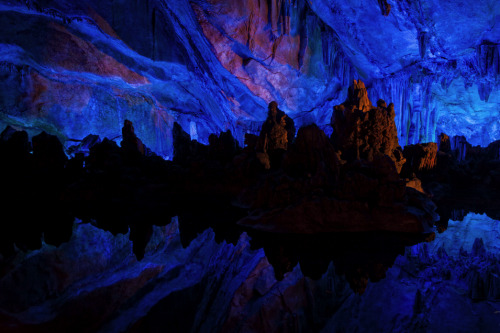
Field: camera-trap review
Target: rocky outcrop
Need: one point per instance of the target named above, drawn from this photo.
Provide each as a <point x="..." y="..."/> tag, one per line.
<point x="48" y="152"/>
<point x="130" y="142"/>
<point x="420" y="158"/>
<point x="94" y="283"/>
<point x="277" y="132"/>
<point x="318" y="192"/>
<point x="312" y="155"/>
<point x="185" y="150"/>
<point x="223" y="147"/>
<point x="361" y="131"/>
<point x="443" y="143"/>
<point x="84" y="146"/>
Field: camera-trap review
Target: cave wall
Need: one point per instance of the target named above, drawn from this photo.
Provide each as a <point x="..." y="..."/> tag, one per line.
<point x="436" y="60"/>
<point x="77" y="68"/>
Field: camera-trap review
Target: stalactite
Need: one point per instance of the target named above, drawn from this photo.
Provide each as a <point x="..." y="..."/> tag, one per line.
<point x="279" y="16"/>
<point x="422" y="43"/>
<point x="193" y="130"/>
<point x="484" y="90"/>
<point x="486" y="63"/>
<point x="153" y="29"/>
<point x="459" y="143"/>
<point x="416" y="113"/>
<point x="334" y="58"/>
<point x="488" y="60"/>
<point x="385" y="8"/>
<point x="304" y="39"/>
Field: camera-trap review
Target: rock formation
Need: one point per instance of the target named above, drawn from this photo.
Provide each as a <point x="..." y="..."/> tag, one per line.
<point x="355" y="189"/>
<point x="130" y="142"/>
<point x="312" y="155"/>
<point x="361" y="131"/>
<point x="277" y="131"/>
<point x="104" y="288"/>
<point x="444" y="144"/>
<point x="420" y="158"/>
<point x="276" y="135"/>
<point x="48" y="152"/>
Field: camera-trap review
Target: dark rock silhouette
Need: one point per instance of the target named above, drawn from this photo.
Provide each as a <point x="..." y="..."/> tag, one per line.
<point x="309" y="188"/>
<point x="276" y="135"/>
<point x="419" y="158"/>
<point x="185" y="150"/>
<point x="84" y="145"/>
<point x="48" y="152"/>
<point x="362" y="131"/>
<point x="318" y="189"/>
<point x="131" y="143"/>
<point x="223" y="147"/>
<point x="444" y="144"/>
<point x="312" y="155"/>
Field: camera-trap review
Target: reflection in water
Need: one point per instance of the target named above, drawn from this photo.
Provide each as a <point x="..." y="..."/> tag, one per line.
<point x="462" y="233"/>
<point x="359" y="256"/>
<point x="232" y="287"/>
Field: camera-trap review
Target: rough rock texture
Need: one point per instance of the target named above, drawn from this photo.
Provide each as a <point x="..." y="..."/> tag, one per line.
<point x="314" y="193"/>
<point x="277" y="131"/>
<point x="420" y="157"/>
<point x="72" y="68"/>
<point x="281" y="51"/>
<point x="444" y="143"/>
<point x="441" y="67"/>
<point x="361" y="131"/>
<point x="131" y="143"/>
<point x="210" y="286"/>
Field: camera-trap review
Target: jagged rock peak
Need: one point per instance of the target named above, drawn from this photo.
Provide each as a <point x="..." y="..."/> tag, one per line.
<point x="130" y="141"/>
<point x="420" y="157"/>
<point x="277" y="132"/>
<point x="357" y="97"/>
<point x="362" y="131"/>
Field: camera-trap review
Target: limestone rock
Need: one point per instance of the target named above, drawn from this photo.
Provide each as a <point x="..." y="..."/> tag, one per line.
<point x="312" y="154"/>
<point x="130" y="142"/>
<point x="361" y="131"/>
<point x="223" y="147"/>
<point x="277" y="131"/>
<point x="85" y="145"/>
<point x="444" y="144"/>
<point x="420" y="157"/>
<point x="48" y="151"/>
<point x="185" y="150"/>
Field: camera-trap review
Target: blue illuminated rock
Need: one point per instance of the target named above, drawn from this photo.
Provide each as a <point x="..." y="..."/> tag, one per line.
<point x="212" y="65"/>
<point x="94" y="282"/>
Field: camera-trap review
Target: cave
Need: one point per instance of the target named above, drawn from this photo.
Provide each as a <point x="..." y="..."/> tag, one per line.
<point x="250" y="166"/>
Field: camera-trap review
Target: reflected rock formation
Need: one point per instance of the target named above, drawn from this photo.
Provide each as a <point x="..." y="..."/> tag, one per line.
<point x="226" y="287"/>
